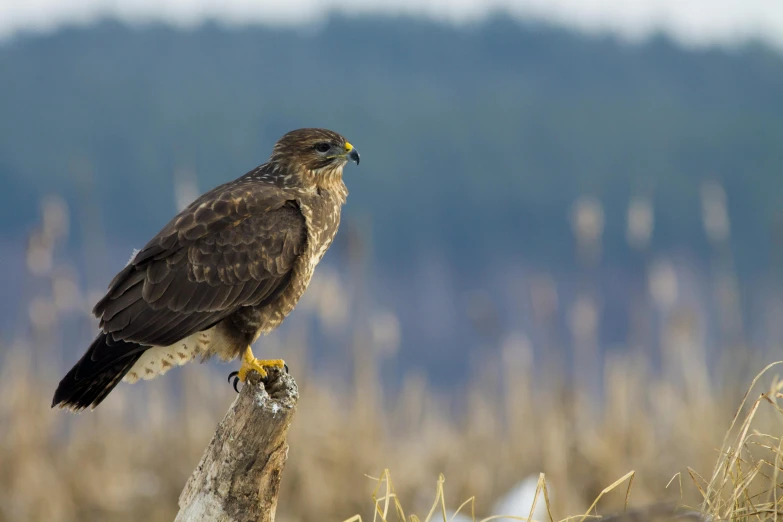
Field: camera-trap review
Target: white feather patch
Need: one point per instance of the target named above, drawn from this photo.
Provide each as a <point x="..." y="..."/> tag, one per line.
<point x="133" y="256"/>
<point x="160" y="359"/>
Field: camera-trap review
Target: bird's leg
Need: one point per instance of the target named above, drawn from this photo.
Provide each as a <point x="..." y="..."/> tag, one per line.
<point x="249" y="363"/>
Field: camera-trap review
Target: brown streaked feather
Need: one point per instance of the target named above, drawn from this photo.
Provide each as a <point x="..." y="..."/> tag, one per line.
<point x="157" y="272"/>
<point x="157" y="327"/>
<point x="143" y="323"/>
<point x="258" y="289"/>
<point x="123" y="317"/>
<point x="235" y="246"/>
<point x="233" y="296"/>
<point x="152" y="292"/>
<point x="187" y="325"/>
<point x="132" y="279"/>
<point x="202" y="302"/>
<point x="180" y="295"/>
<point x="217" y="299"/>
<point x="123" y="302"/>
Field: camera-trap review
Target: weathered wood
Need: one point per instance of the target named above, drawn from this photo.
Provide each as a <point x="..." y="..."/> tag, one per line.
<point x="238" y="478"/>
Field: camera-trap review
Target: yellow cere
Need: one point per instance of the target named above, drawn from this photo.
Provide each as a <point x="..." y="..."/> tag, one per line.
<point x="348" y="147"/>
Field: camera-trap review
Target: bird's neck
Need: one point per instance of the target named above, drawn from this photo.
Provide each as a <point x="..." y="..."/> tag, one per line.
<point x="329" y="179"/>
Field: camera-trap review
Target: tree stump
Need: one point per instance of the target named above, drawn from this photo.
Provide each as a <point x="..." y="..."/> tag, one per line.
<point x="238" y="478"/>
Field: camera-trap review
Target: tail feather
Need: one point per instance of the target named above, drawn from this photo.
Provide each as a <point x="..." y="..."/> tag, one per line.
<point x="97" y="373"/>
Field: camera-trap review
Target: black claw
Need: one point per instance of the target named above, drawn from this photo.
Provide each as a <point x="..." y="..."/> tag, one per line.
<point x="235" y="375"/>
<point x="286" y="368"/>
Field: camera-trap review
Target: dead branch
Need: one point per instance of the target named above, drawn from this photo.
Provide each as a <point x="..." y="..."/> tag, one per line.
<point x="238" y="478"/>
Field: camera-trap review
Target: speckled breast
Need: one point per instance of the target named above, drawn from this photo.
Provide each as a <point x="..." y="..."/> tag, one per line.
<point x="322" y="216"/>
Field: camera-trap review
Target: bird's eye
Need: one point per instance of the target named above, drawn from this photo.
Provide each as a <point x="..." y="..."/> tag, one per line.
<point x="322" y="147"/>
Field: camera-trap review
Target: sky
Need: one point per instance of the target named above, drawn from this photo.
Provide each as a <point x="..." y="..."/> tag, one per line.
<point x="693" y="22"/>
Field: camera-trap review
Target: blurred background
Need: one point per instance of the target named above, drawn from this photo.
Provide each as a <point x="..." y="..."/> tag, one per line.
<point x="562" y="252"/>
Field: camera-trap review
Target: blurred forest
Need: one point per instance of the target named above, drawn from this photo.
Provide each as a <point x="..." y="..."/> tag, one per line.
<point x="561" y="253"/>
<point x="480" y="145"/>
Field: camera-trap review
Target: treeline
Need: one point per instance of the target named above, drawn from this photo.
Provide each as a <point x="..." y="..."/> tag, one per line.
<point x="475" y="140"/>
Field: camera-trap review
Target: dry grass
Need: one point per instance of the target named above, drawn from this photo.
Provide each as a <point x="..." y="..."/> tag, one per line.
<point x="129" y="459"/>
<point x="745" y="484"/>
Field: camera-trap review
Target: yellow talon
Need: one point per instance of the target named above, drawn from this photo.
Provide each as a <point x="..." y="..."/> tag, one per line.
<point x="250" y="363"/>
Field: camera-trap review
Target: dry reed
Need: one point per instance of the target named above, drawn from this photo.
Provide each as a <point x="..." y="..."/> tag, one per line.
<point x="129" y="459"/>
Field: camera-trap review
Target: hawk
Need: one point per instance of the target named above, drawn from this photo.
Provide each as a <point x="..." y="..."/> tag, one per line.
<point x="226" y="269"/>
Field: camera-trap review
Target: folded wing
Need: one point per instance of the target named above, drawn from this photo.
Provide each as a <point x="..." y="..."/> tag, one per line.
<point x="235" y="246"/>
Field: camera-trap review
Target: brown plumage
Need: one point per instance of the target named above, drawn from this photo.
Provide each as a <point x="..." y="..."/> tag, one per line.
<point x="228" y="268"/>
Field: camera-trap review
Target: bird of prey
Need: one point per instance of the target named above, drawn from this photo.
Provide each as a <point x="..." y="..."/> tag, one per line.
<point x="228" y="268"/>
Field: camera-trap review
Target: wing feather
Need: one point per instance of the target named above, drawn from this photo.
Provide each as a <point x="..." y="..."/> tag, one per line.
<point x="144" y="324"/>
<point x="156" y="331"/>
<point x="215" y="300"/>
<point x="235" y="246"/>
<point x="130" y="278"/>
<point x="124" y="317"/>
<point x="122" y="302"/>
<point x="180" y="294"/>
<point x="152" y="292"/>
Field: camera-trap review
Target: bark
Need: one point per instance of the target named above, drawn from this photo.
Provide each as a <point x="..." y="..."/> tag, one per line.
<point x="238" y="478"/>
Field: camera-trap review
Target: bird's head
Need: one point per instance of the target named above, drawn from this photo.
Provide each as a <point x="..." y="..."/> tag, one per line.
<point x="315" y="150"/>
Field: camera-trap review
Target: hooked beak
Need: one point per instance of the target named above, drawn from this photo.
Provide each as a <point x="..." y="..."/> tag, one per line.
<point x="351" y="153"/>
